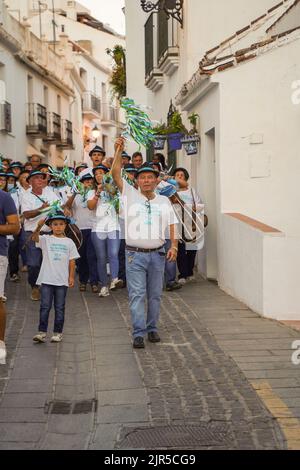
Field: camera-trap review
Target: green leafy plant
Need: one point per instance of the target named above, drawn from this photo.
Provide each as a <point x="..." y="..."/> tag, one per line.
<point x="118" y="78"/>
<point x="160" y="129"/>
<point x="193" y="118"/>
<point x="176" y="125"/>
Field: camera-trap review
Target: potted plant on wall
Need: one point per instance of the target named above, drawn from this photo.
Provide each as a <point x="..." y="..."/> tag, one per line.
<point x="176" y="130"/>
<point x="192" y="139"/>
<point x="160" y="132"/>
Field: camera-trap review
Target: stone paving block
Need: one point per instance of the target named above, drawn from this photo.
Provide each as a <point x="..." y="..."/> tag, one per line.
<point x="75" y="356"/>
<point x="113" y="340"/>
<point x="74" y="367"/>
<point x="117" y="383"/>
<point x="112" y="350"/>
<point x="31" y="372"/>
<point x="22" y="415"/>
<point x="74" y="380"/>
<point x="21" y="432"/>
<point x="73" y="424"/>
<point x="24" y="400"/>
<point x="131" y="371"/>
<point x="65" y="442"/>
<point x="123" y="397"/>
<point x="122" y="331"/>
<point x="270" y="374"/>
<point x="288" y="392"/>
<point x="257" y="359"/>
<point x="251" y="353"/>
<point x="105" y="437"/>
<point x="74" y="392"/>
<point x="122" y="414"/>
<point x="17" y="446"/>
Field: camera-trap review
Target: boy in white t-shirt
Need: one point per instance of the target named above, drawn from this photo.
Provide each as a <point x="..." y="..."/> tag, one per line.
<point x="57" y="274"/>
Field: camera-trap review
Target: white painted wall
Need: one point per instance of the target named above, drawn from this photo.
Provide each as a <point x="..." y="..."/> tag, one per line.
<point x="281" y="278"/>
<point x="14" y="145"/>
<point x="256" y="268"/>
<point x="206" y="23"/>
<point x="259" y="97"/>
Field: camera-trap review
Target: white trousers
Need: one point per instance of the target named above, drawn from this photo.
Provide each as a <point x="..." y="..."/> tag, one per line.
<point x="3" y="273"/>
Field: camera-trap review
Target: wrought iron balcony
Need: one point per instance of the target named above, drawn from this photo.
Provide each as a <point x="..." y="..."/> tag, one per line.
<point x="67" y="135"/>
<point x="110" y="115"/>
<point x="54" y="128"/>
<point x="91" y="105"/>
<point x="168" y="50"/>
<point x="36" y="120"/>
<point x="171" y="8"/>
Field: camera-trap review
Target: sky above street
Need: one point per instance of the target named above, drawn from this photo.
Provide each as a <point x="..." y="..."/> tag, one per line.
<point x="108" y="11"/>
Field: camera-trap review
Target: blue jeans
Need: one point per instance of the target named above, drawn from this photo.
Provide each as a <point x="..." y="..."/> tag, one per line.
<point x="145" y="278"/>
<point x="107" y="246"/>
<point x="48" y="294"/>
<point x="171" y="267"/>
<point x="87" y="264"/>
<point x="34" y="260"/>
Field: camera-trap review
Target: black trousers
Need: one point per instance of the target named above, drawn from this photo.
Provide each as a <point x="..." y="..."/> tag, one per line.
<point x="185" y="261"/>
<point x="13" y="256"/>
<point x="122" y="261"/>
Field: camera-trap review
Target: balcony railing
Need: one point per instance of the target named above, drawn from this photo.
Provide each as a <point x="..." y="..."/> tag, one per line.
<point x="91" y="104"/>
<point x="149" y="45"/>
<point x="109" y="115"/>
<point x="54" y="128"/>
<point x="36" y="120"/>
<point x="67" y="134"/>
<point x="5" y="117"/>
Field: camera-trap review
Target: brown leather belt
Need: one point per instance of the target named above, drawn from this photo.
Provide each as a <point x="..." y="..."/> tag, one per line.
<point x="143" y="250"/>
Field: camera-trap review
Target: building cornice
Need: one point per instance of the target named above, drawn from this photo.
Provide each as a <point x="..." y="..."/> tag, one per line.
<point x="15" y="47"/>
<point x="45" y="74"/>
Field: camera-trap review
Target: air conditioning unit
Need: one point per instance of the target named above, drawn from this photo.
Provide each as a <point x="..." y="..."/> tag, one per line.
<point x="5" y="117"/>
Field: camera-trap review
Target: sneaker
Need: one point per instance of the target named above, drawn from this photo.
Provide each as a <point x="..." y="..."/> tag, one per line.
<point x="174" y="286"/>
<point x="82" y="287"/>
<point x="191" y="279"/>
<point x="14" y="278"/>
<point x="57" y="338"/>
<point x="35" y="294"/>
<point x="40" y="338"/>
<point x="182" y="281"/>
<point x="104" y="292"/>
<point x="116" y="284"/>
<point x="2" y="353"/>
<point x="154" y="337"/>
<point x="95" y="289"/>
<point x="3" y="299"/>
<point x="24" y="269"/>
<point x="138" y="343"/>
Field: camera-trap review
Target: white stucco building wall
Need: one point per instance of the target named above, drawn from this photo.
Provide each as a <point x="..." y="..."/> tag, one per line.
<point x="33" y="74"/>
<point x="247" y="162"/>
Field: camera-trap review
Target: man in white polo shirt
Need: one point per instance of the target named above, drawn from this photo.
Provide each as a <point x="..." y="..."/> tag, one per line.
<point x="148" y="217"/>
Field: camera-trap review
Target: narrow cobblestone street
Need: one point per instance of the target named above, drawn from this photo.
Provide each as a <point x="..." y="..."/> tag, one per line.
<point x="221" y="379"/>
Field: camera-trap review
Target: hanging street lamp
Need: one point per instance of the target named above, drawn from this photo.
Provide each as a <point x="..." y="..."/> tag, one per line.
<point x="172" y="8"/>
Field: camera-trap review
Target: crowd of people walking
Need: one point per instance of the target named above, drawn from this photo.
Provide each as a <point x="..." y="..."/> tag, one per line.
<point x="140" y="243"/>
